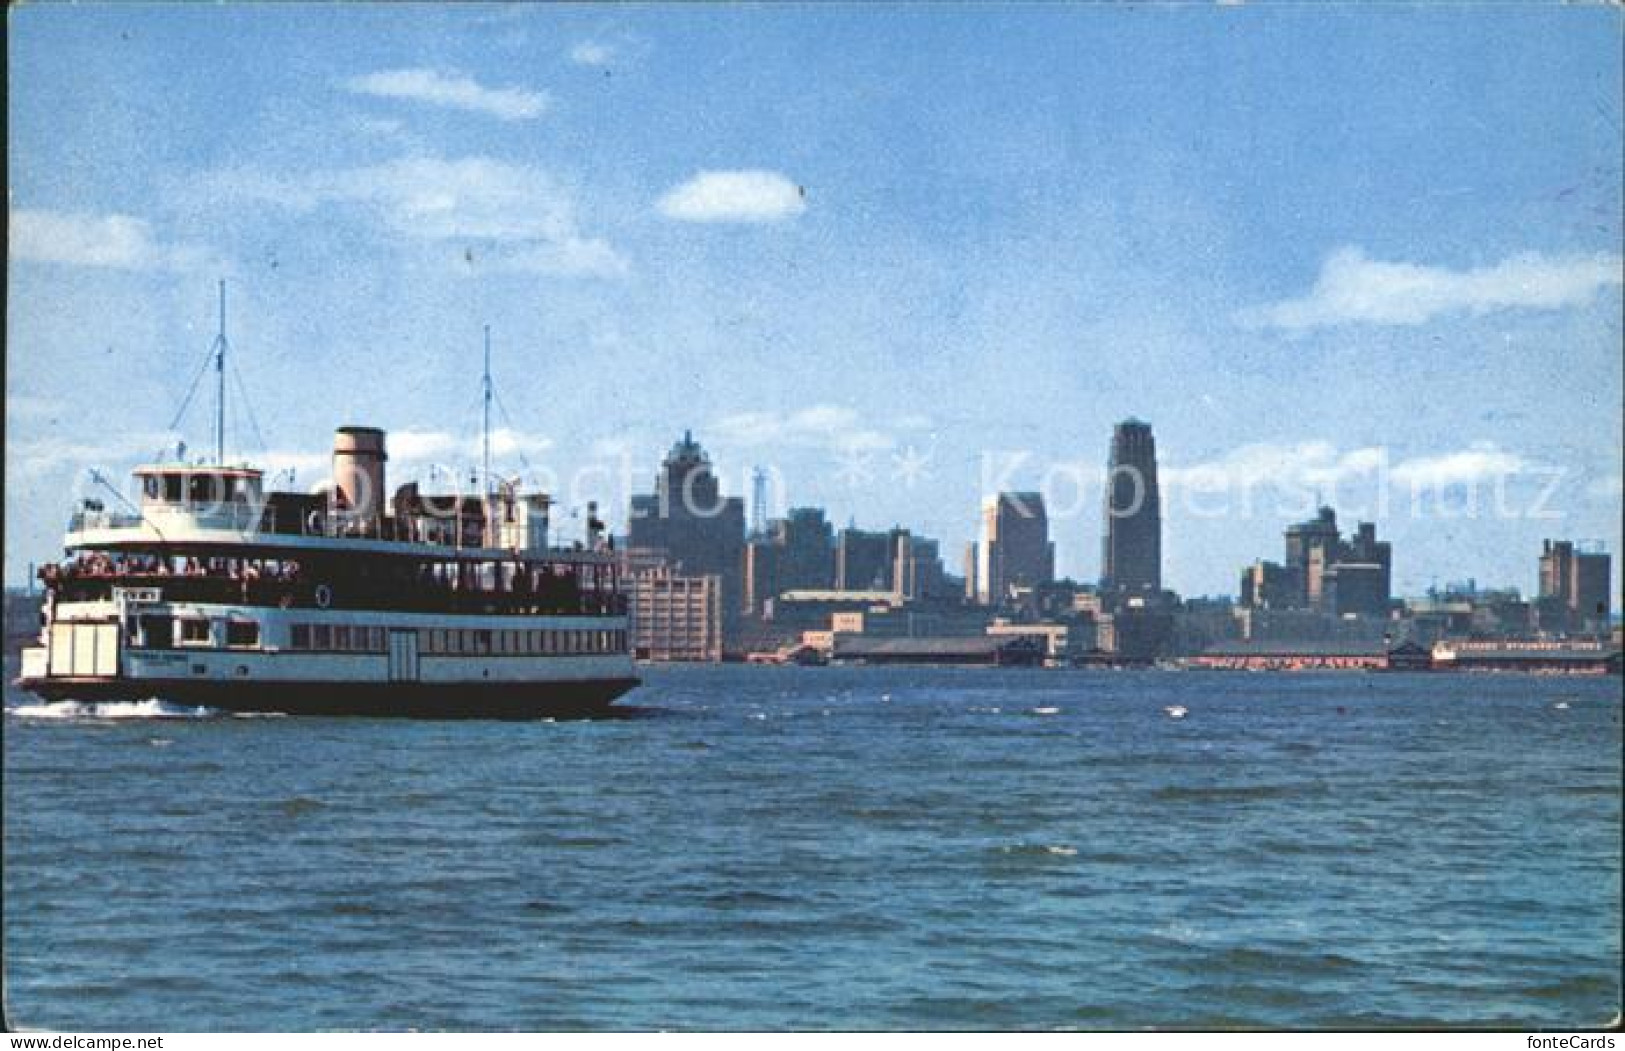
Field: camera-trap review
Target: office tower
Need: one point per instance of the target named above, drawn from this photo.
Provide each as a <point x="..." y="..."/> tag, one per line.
<point x="1342" y="578"/>
<point x="1311" y="546"/>
<point x="1015" y="549"/>
<point x="764" y="554"/>
<point x="1574" y="586"/>
<point x="676" y="618"/>
<point x="693" y="526"/>
<point x="863" y="561"/>
<point x="807" y="560"/>
<point x="1132" y="556"/>
<point x="917" y="571"/>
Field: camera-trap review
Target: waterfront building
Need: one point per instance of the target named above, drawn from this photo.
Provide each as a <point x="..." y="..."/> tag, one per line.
<point x="1574" y="586"/>
<point x="697" y="530"/>
<point x="1015" y="548"/>
<point x="1131" y="558"/>
<point x="1301" y="655"/>
<point x="1136" y="632"/>
<point x="676" y="617"/>
<point x="1540" y="656"/>
<point x="1017" y="650"/>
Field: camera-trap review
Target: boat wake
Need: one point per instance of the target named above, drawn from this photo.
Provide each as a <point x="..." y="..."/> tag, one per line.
<point x="80" y="711"/>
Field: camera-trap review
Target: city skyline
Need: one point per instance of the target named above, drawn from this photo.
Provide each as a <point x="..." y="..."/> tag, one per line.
<point x="776" y="243"/>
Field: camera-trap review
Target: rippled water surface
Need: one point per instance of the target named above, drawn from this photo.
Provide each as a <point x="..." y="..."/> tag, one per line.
<point x="820" y="848"/>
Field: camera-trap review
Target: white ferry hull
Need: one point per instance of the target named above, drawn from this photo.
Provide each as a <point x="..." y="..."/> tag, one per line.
<point x="395" y="665"/>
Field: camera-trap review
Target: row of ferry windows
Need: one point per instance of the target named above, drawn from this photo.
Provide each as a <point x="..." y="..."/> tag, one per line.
<point x="470" y="641"/>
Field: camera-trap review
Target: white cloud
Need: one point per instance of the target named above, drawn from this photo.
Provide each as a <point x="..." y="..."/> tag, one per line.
<point x="1354" y="289"/>
<point x="83" y="239"/>
<point x="1481" y="462"/>
<point x="734" y="197"/>
<point x="518" y="217"/>
<point x="817" y="426"/>
<point x="1302" y="464"/>
<point x="451" y="90"/>
<point x="1320" y="464"/>
<point x="592" y="53"/>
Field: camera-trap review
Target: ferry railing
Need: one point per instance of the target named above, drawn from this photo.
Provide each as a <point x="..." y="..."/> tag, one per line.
<point x="303" y="594"/>
<point x="235" y="517"/>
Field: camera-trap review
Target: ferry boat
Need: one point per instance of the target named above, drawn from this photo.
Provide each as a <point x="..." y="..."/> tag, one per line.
<point x="213" y="592"/>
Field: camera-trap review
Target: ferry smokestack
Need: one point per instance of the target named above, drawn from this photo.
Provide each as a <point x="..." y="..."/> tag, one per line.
<point x="358" y="474"/>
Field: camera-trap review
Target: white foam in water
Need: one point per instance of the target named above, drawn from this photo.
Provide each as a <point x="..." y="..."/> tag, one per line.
<point x="1064" y="852"/>
<point x="151" y="708"/>
<point x="1046" y="711"/>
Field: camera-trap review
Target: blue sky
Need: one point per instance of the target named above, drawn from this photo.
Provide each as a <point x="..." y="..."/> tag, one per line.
<point x="896" y="254"/>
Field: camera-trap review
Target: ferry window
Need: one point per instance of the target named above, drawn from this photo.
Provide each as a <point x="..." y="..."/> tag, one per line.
<point x="194" y="630"/>
<point x="150" y="487"/>
<point x="378" y="641"/>
<point x="426" y="640"/>
<point x="321" y="636"/>
<point x="341" y="637"/>
<point x="172" y="488"/>
<point x="300" y="637"/>
<point x="242" y="633"/>
<point x="483" y="640"/>
<point x="535" y="641"/>
<point x="204" y="489"/>
<point x="157" y="632"/>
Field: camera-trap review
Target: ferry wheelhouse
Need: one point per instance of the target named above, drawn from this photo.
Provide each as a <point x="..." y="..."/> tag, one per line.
<point x="211" y="591"/>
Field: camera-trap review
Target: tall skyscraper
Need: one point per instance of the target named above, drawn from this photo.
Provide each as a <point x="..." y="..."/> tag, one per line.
<point x="1015" y="548"/>
<point x="1131" y="559"/>
<point x="1574" y="586"/>
<point x="1324" y="572"/>
<point x="808" y="560"/>
<point x="863" y="560"/>
<point x="692" y="525"/>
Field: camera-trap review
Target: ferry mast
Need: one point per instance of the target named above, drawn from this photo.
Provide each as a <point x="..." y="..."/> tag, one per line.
<point x="220" y="383"/>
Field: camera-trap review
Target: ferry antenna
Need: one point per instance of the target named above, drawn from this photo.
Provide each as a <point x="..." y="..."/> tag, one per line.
<point x="486" y="477"/>
<point x="220" y="383"/>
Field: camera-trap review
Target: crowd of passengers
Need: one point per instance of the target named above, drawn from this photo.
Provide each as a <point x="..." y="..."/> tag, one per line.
<point x="103" y="565"/>
<point x="539" y="590"/>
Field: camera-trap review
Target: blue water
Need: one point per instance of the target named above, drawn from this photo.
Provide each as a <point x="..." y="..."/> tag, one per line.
<point x="819" y="848"/>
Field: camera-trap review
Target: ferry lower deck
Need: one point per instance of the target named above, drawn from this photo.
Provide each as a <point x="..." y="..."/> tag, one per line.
<point x="330" y="662"/>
